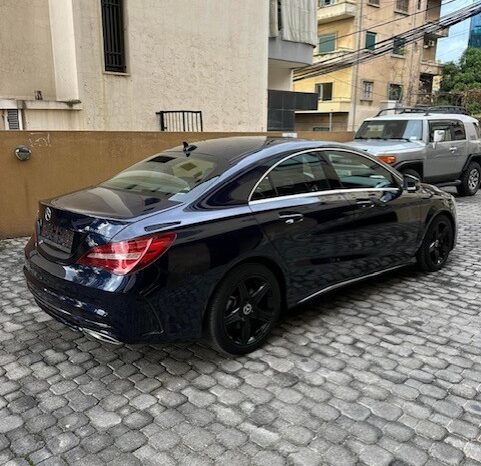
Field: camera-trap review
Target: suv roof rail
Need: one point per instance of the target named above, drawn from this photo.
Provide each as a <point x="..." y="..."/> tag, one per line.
<point x="426" y="110"/>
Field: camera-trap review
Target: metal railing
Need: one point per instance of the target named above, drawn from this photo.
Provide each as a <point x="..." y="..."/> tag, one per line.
<point x="181" y="120"/>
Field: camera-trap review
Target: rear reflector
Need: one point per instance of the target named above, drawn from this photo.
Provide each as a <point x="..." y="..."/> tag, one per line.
<point x="128" y="256"/>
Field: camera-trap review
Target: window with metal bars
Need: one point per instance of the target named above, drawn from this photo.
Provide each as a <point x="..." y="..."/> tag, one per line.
<point x="113" y="31"/>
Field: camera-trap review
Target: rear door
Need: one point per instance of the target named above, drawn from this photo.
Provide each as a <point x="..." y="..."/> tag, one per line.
<point x="301" y="214"/>
<point x="384" y="223"/>
<point x="445" y="160"/>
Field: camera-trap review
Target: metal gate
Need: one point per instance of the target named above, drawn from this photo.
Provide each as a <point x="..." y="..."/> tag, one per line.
<point x="181" y="120"/>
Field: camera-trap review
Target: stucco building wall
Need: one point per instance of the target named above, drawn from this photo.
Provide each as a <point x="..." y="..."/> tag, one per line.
<point x="181" y="55"/>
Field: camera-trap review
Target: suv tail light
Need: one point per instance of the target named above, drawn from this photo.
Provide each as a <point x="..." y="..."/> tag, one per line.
<point x="124" y="257"/>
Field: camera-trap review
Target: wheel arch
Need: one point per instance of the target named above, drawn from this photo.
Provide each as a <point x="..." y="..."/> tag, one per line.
<point x="269" y="263"/>
<point x="435" y="214"/>
<point x="472" y="158"/>
<point x="417" y="165"/>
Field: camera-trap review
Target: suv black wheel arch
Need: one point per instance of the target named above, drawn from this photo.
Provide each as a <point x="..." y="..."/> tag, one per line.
<point x="410" y="166"/>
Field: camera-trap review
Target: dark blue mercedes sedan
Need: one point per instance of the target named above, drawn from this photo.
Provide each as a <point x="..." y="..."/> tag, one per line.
<point x="218" y="237"/>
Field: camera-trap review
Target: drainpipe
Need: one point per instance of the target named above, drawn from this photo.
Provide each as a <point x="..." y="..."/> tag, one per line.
<point x="356" y="66"/>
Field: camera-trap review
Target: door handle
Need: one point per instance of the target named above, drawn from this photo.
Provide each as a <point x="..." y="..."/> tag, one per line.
<point x="291" y="217"/>
<point x="365" y="203"/>
<point x="453" y="149"/>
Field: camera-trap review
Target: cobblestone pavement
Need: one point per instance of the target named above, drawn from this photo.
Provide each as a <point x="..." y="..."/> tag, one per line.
<point x="387" y="372"/>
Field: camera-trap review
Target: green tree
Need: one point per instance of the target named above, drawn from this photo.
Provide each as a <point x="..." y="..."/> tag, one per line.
<point x="464" y="78"/>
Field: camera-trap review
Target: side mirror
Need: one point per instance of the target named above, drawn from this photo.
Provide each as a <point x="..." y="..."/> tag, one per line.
<point x="439" y="135"/>
<point x="411" y="184"/>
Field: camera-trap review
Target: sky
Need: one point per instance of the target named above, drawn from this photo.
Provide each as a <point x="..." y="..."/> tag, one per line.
<point x="452" y="47"/>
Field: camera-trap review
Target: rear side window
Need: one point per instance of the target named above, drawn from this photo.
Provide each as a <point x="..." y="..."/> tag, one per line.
<point x="459" y="133"/>
<point x="299" y="174"/>
<point x="355" y="171"/>
<point x="476" y="130"/>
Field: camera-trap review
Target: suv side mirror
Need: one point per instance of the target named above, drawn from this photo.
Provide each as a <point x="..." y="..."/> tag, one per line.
<point x="439" y="135"/>
<point x="411" y="184"/>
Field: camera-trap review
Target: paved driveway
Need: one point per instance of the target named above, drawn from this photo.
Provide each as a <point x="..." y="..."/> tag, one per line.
<point x="387" y="372"/>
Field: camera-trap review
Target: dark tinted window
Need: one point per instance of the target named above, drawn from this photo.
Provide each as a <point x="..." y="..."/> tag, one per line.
<point x="355" y="171"/>
<point x="300" y="174"/>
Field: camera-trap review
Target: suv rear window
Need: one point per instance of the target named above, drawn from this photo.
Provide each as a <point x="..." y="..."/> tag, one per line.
<point x="409" y="130"/>
<point x="165" y="175"/>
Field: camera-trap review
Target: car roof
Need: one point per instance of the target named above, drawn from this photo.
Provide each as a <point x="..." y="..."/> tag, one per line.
<point x="423" y="116"/>
<point x="231" y="150"/>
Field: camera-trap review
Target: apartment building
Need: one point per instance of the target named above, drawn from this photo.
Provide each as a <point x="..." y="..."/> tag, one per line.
<point x="403" y="77"/>
<point x="153" y="65"/>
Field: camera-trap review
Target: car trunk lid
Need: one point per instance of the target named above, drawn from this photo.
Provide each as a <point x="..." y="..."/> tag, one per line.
<point x="70" y="225"/>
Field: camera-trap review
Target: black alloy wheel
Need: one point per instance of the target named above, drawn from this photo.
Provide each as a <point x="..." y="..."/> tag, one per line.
<point x="437" y="244"/>
<point x="244" y="309"/>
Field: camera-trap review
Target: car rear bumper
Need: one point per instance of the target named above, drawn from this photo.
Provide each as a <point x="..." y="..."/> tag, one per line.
<point x="107" y="316"/>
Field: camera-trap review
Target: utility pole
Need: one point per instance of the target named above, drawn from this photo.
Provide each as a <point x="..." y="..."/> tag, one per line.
<point x="356" y="67"/>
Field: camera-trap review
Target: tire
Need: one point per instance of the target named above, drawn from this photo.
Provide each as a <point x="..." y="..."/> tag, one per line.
<point x="412" y="172"/>
<point x="470" y="180"/>
<point x="243" y="310"/>
<point x="437" y="244"/>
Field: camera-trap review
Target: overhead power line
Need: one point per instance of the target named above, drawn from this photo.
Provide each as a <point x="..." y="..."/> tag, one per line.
<point x="370" y="28"/>
<point x="385" y="46"/>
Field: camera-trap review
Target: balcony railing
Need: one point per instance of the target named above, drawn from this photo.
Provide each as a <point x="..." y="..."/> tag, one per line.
<point x="331" y="10"/>
<point x="319" y="57"/>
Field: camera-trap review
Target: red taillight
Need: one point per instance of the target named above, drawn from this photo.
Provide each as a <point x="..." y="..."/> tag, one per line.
<point x="126" y="256"/>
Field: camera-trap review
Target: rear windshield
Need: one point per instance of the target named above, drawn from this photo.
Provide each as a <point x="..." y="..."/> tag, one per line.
<point x="166" y="175"/>
<point x="409" y="130"/>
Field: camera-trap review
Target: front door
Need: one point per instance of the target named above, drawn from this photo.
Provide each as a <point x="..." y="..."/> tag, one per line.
<point x="384" y="224"/>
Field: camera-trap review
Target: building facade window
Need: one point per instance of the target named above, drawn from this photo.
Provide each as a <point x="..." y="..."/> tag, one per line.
<point x="324" y="90"/>
<point x="327" y="43"/>
<point x="323" y="3"/>
<point x="367" y="90"/>
<point x="398" y="46"/>
<point x="113" y="32"/>
<point x="402" y="6"/>
<point x="370" y="40"/>
<point x="373" y="2"/>
<point x="395" y="92"/>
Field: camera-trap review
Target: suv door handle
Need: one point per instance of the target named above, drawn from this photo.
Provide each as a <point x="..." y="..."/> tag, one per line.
<point x="291" y="217"/>
<point x="453" y="149"/>
<point x="365" y="202"/>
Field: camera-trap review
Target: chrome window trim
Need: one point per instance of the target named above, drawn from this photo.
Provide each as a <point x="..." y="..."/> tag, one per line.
<point x="324" y="193"/>
<point x="331" y="191"/>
